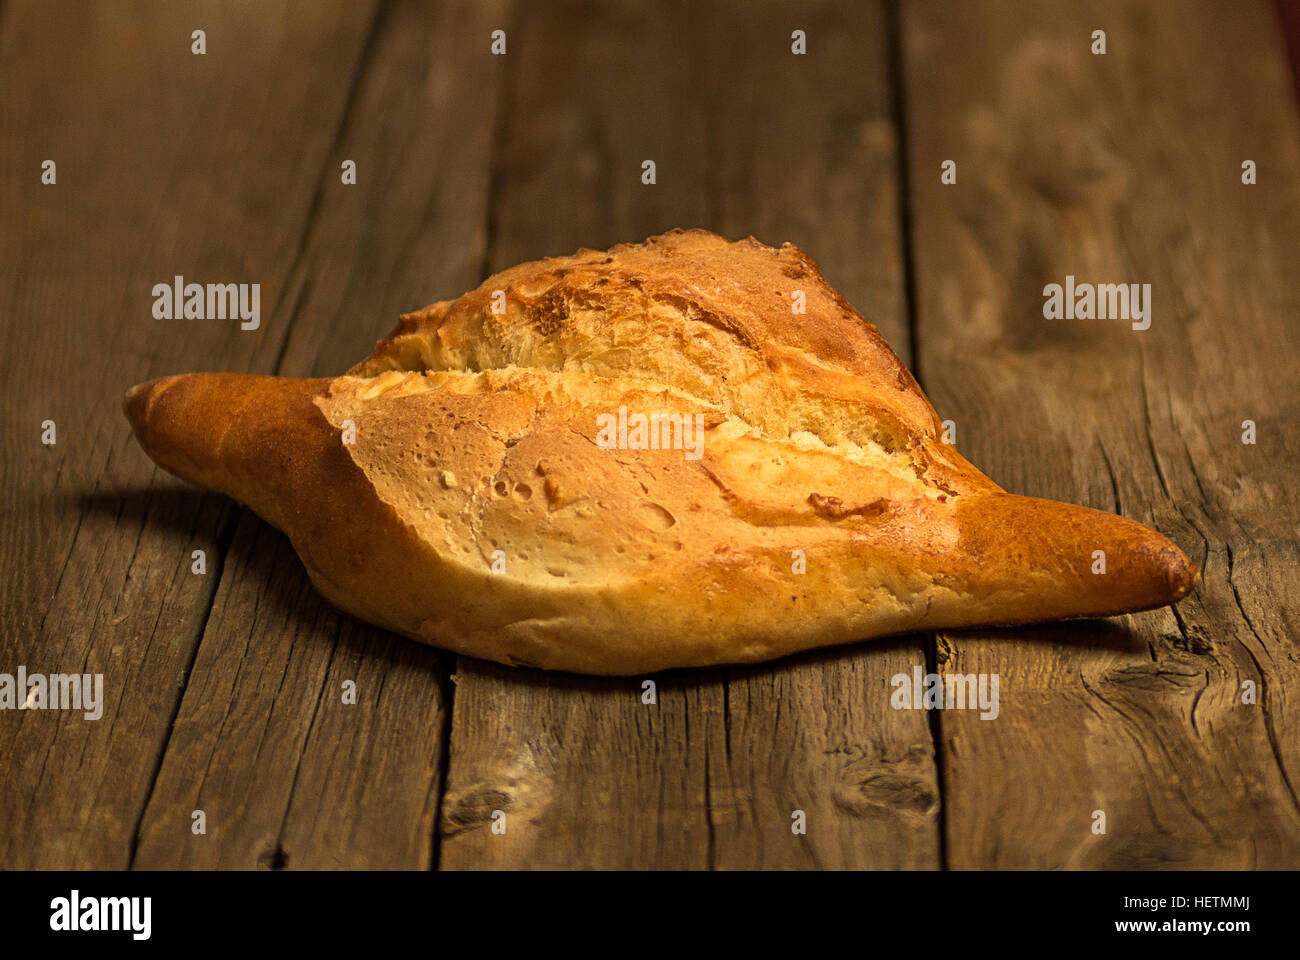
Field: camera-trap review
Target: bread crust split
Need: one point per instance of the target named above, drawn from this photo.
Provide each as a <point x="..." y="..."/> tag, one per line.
<point x="480" y="509"/>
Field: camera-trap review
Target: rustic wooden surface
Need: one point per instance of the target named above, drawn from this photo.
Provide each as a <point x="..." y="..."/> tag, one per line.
<point x="224" y="690"/>
<point x="1138" y="179"/>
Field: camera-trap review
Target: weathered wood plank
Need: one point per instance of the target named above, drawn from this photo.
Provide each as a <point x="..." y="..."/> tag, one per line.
<point x="167" y="163"/>
<point x="1120" y="168"/>
<point x="289" y="774"/>
<point x="1124" y="167"/>
<point x="586" y="774"/>
<point x="747" y="138"/>
<point x="803" y="148"/>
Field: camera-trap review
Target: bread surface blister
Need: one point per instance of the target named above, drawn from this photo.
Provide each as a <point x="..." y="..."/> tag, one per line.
<point x="628" y="460"/>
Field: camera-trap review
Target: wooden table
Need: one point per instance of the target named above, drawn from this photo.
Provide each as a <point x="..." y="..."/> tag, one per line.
<point x="223" y="690"/>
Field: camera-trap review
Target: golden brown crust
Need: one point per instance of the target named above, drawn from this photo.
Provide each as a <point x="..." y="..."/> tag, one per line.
<point x="478" y="509"/>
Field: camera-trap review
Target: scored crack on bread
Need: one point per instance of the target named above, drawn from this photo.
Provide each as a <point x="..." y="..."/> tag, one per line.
<point x="456" y="486"/>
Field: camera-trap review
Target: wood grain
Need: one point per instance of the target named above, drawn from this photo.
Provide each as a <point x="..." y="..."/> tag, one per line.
<point x="817" y="733"/>
<point x="585" y="773"/>
<point x="167" y="163"/>
<point x="709" y="775"/>
<point x="330" y="783"/>
<point x="1120" y="168"/>
<point x="225" y="691"/>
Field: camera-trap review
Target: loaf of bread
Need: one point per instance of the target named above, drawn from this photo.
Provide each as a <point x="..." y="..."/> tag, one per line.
<point x="647" y="457"/>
